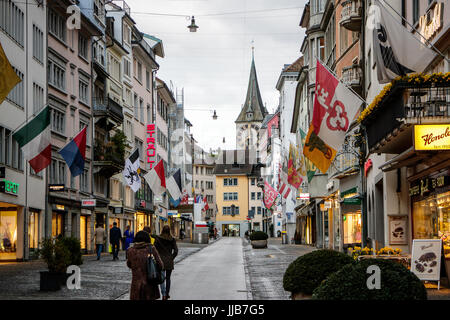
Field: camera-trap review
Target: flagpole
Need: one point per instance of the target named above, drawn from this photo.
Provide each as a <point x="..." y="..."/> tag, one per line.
<point x="416" y="31"/>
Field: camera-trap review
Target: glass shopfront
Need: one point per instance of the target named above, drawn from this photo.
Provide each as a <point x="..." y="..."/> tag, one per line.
<point x="352" y="227"/>
<point x="431" y="218"/>
<point x="33" y="230"/>
<point x="141" y="220"/>
<point x="83" y="232"/>
<point x="57" y="224"/>
<point x="8" y="232"/>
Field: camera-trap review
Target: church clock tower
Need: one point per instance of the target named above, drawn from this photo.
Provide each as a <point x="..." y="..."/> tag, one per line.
<point x="252" y="114"/>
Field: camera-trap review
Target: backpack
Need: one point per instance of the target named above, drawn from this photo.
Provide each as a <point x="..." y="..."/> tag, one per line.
<point x="155" y="276"/>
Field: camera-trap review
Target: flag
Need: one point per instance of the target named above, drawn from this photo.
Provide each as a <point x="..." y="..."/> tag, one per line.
<point x="185" y="197"/>
<point x="34" y="140"/>
<point x="198" y="199"/>
<point x="74" y="153"/>
<point x="174" y="203"/>
<point x="270" y="195"/>
<point x="309" y="166"/>
<point x="174" y="185"/>
<point x="8" y="77"/>
<point x="318" y="151"/>
<point x="132" y="170"/>
<point x="284" y="190"/>
<point x="397" y="51"/>
<point x="294" y="178"/>
<point x="205" y="204"/>
<point x="335" y="107"/>
<point x="156" y="179"/>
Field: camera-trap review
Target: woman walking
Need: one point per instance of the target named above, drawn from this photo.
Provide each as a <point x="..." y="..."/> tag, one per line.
<point x="137" y="262"/>
<point x="168" y="250"/>
<point x="129" y="237"/>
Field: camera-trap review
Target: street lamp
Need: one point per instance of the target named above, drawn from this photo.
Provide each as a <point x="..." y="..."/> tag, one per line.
<point x="193" y="27"/>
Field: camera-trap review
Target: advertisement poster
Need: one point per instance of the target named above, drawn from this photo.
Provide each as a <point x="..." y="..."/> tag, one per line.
<point x="426" y="259"/>
<point x="397" y="229"/>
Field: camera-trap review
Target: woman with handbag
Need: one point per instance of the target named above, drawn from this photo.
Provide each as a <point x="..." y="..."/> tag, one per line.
<point x="168" y="250"/>
<point x="139" y="257"/>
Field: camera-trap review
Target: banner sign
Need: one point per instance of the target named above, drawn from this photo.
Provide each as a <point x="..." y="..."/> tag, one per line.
<point x="432" y="137"/>
<point x="151" y="145"/>
<point x="426" y="185"/>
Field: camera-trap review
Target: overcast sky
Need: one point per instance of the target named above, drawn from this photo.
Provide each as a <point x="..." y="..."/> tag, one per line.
<point x="213" y="64"/>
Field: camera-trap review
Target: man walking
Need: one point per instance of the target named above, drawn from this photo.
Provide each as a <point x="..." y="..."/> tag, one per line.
<point x="115" y="235"/>
<point x="100" y="237"/>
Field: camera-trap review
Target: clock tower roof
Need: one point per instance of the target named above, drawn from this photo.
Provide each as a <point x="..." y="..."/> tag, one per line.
<point x="253" y="109"/>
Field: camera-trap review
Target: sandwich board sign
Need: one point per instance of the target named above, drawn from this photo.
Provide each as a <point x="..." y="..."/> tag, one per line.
<point x="426" y="259"/>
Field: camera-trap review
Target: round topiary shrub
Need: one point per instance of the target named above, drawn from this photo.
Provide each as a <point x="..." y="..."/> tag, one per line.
<point x="350" y="283"/>
<point x="307" y="272"/>
<point x="258" y="235"/>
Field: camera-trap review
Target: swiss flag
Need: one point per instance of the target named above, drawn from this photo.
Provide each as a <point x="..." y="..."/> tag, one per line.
<point x="205" y="204"/>
<point x="335" y="107"/>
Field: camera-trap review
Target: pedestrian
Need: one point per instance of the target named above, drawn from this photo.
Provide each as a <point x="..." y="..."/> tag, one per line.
<point x="182" y="234"/>
<point x="215" y="233"/>
<point x="129" y="237"/>
<point x="168" y="250"/>
<point x="100" y="237"/>
<point x="115" y="235"/>
<point x="138" y="254"/>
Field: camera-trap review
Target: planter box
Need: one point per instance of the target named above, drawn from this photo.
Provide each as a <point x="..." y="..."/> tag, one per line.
<point x="300" y="296"/>
<point x="259" y="244"/>
<point x="50" y="281"/>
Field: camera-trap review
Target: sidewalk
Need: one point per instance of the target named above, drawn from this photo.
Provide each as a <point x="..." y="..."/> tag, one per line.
<point x="100" y="280"/>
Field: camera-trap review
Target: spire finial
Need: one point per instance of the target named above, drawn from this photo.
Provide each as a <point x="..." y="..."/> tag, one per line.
<point x="253" y="49"/>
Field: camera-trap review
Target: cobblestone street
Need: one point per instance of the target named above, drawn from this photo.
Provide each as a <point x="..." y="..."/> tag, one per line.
<point x="104" y="279"/>
<point x="266" y="267"/>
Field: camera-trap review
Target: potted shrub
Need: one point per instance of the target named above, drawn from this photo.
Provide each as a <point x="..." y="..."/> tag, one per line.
<point x="350" y="283"/>
<point x="75" y="257"/>
<point x="57" y="257"/>
<point x="306" y="273"/>
<point x="258" y="239"/>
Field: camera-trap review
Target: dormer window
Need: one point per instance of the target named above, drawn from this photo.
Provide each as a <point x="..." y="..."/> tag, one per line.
<point x="249" y="115"/>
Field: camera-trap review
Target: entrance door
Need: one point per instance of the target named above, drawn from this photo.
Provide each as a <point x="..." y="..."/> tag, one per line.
<point x="57" y="224"/>
<point x="83" y="232"/>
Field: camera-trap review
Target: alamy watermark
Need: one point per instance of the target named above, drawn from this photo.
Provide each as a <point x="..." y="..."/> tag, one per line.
<point x="374" y="281"/>
<point x="74" y="280"/>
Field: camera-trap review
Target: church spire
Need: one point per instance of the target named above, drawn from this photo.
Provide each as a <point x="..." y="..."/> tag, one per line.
<point x="253" y="108"/>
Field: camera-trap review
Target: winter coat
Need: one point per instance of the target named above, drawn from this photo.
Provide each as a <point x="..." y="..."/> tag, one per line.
<point x="99" y="235"/>
<point x="129" y="237"/>
<point x="115" y="235"/>
<point x="137" y="262"/>
<point x="168" y="250"/>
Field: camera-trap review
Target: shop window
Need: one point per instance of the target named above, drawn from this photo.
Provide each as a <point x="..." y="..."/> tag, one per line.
<point x="8" y="233"/>
<point x="57" y="224"/>
<point x="33" y="230"/>
<point x="352" y="228"/>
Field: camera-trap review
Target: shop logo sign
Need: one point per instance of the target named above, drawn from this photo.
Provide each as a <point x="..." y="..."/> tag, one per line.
<point x="432" y="137"/>
<point x="374" y="281"/>
<point x="9" y="187"/>
<point x="74" y="280"/>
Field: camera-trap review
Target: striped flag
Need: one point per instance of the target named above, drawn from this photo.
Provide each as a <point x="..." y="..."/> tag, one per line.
<point x="156" y="179"/>
<point x="74" y="153"/>
<point x="284" y="190"/>
<point x="34" y="140"/>
<point x="174" y="185"/>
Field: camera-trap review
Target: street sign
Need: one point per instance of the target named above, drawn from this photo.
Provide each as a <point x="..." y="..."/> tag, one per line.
<point x="303" y="196"/>
<point x="88" y="202"/>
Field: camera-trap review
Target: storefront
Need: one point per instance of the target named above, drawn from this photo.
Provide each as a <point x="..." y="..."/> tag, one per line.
<point x="430" y="203"/>
<point x="231" y="230"/>
<point x="8" y="231"/>
<point x="351" y="218"/>
<point x="142" y="219"/>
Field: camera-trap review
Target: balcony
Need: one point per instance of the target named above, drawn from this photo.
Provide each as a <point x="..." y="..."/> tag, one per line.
<point x="352" y="76"/>
<point x="406" y="103"/>
<point x="108" y="158"/>
<point x="351" y="15"/>
<point x="108" y="108"/>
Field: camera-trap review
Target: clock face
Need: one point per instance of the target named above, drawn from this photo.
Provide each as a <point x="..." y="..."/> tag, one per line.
<point x="247" y="136"/>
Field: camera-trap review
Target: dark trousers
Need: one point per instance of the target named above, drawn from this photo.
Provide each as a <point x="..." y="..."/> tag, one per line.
<point x="115" y="250"/>
<point x="165" y="286"/>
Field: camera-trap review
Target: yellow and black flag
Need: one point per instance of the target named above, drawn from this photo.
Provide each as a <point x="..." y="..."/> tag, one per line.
<point x="8" y="77"/>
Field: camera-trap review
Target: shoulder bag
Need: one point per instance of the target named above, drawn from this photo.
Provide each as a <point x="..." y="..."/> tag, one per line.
<point x="155" y="275"/>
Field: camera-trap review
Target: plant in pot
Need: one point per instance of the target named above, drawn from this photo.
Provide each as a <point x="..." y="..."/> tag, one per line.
<point x="307" y="272"/>
<point x="258" y="239"/>
<point x="57" y="257"/>
<point x="75" y="257"/>
<point x="350" y="283"/>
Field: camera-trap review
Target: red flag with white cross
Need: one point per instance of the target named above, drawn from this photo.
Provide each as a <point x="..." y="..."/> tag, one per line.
<point x="335" y="107"/>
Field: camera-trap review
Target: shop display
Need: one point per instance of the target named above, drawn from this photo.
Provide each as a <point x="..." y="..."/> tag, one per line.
<point x="398" y="230"/>
<point x="425" y="259"/>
